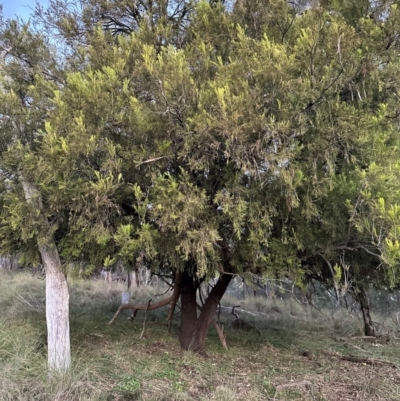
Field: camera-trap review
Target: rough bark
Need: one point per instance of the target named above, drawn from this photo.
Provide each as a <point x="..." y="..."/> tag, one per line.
<point x="189" y="287"/>
<point x="194" y="329"/>
<point x="57" y="295"/>
<point x="137" y="280"/>
<point x="207" y="313"/>
<point x="369" y="329"/>
<point x="129" y="279"/>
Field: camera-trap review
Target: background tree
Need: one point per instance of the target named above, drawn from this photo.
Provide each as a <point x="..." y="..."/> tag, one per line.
<point x="345" y="244"/>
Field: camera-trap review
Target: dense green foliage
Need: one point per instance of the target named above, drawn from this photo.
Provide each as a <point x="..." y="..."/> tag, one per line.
<point x="253" y="136"/>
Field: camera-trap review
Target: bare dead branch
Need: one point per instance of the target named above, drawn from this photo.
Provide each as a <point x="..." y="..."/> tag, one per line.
<point x="150" y="160"/>
<point x="172" y="300"/>
<point x="368" y="361"/>
<point x="220" y="332"/>
<point x="137" y="307"/>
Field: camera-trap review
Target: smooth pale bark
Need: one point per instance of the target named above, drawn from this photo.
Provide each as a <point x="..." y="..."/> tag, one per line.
<point x="57" y="295"/>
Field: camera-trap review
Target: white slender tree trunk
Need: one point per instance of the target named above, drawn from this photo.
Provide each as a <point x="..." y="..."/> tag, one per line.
<point x="57" y="295"/>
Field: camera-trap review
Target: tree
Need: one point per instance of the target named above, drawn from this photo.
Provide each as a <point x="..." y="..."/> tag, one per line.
<point x="28" y="74"/>
<point x="346" y="244"/>
<point x="230" y="143"/>
<point x="203" y="146"/>
<point x="47" y="215"/>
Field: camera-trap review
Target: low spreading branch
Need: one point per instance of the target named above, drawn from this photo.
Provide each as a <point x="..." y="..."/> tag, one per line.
<point x="138" y="307"/>
<point x="172" y="301"/>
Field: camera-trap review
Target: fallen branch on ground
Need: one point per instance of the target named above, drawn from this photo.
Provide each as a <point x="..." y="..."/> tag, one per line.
<point x="356" y="359"/>
<point x="368" y="361"/>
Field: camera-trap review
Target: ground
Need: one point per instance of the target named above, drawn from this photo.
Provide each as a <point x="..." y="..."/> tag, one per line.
<point x="297" y="356"/>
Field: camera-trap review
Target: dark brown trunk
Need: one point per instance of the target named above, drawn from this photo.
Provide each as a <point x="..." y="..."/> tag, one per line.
<point x="129" y="280"/>
<point x="137" y="280"/>
<point x="189" y="287"/>
<point x="369" y="329"/>
<point x="207" y="313"/>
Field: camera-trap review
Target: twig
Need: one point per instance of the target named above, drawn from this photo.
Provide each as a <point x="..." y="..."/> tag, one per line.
<point x="145" y="319"/>
<point x="150" y="160"/>
<point x="233" y="311"/>
<point x="220" y="332"/>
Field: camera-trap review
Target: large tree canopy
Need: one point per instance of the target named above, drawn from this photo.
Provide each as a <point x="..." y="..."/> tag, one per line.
<point x="204" y="137"/>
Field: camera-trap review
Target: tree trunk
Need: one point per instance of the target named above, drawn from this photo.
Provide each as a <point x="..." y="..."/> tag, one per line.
<point x="194" y="330"/>
<point x="137" y="278"/>
<point x="369" y="328"/>
<point x="189" y="287"/>
<point x="57" y="296"/>
<point x="129" y="280"/>
<point x="57" y="311"/>
<point x="207" y="314"/>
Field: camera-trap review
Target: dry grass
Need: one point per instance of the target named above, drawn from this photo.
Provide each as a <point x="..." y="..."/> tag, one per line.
<point x="297" y="357"/>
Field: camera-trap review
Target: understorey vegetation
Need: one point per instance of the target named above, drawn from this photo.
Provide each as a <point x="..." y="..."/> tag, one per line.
<point x="281" y="351"/>
<point x="204" y="141"/>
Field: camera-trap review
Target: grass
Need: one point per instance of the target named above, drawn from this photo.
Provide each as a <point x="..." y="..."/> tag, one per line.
<point x="297" y="357"/>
